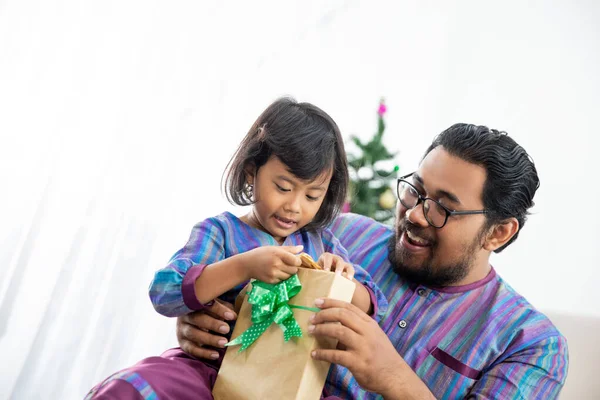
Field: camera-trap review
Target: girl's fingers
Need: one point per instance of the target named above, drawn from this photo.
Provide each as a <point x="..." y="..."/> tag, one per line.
<point x="326" y="261"/>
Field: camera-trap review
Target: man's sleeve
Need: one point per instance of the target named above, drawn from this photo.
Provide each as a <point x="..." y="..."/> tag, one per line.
<point x="537" y="371"/>
<point x="172" y="290"/>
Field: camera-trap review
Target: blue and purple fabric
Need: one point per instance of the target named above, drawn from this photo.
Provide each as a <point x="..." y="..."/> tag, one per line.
<point x="479" y="341"/>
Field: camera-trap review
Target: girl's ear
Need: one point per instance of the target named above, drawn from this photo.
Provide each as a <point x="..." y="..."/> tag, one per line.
<point x="250" y="172"/>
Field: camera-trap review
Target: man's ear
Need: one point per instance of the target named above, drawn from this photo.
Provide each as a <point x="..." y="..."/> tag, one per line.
<point x="501" y="233"/>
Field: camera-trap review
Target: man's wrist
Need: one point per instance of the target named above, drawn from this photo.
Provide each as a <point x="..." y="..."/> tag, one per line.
<point x="408" y="387"/>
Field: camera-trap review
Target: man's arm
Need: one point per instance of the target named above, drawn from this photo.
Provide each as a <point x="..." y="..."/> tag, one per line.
<point x="537" y="371"/>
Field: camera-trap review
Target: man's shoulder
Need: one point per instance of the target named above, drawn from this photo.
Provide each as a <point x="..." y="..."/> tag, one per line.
<point x="527" y="336"/>
<point x="355" y="222"/>
<point x="533" y="324"/>
<point x="365" y="240"/>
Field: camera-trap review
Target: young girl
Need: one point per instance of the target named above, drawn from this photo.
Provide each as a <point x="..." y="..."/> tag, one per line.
<point x="291" y="167"/>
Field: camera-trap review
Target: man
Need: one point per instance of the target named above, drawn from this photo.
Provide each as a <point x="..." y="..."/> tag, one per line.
<point x="454" y="328"/>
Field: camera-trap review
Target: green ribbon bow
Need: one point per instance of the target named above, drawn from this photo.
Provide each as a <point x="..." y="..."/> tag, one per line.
<point x="270" y="304"/>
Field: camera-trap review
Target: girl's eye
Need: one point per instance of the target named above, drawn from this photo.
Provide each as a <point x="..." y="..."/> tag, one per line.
<point x="282" y="189"/>
<point x="311" y="198"/>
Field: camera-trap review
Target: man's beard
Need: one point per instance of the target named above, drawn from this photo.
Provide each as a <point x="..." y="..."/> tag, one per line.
<point x="428" y="274"/>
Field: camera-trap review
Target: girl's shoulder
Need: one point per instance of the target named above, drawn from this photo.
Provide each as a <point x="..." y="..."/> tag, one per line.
<point x="220" y="228"/>
<point x="224" y="220"/>
<point x="233" y="232"/>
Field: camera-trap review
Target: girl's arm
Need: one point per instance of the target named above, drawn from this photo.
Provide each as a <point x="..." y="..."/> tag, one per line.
<point x="172" y="290"/>
<point x="270" y="264"/>
<point x="220" y="277"/>
<point x="367" y="292"/>
<point x="336" y="263"/>
<point x="362" y="298"/>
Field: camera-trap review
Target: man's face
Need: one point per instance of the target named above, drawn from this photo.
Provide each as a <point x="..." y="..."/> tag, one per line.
<point x="441" y="257"/>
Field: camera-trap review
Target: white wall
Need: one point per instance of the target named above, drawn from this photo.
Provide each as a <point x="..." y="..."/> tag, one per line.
<point x="117" y="118"/>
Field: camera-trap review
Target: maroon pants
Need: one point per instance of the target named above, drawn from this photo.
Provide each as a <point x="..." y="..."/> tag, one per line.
<point x="173" y="375"/>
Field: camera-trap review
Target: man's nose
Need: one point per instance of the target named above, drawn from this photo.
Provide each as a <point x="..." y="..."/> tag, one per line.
<point x="416" y="215"/>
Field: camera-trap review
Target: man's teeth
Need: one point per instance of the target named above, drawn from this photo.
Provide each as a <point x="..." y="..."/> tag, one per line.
<point x="416" y="239"/>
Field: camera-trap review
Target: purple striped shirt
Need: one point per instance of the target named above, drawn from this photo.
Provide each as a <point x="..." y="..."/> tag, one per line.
<point x="479" y="341"/>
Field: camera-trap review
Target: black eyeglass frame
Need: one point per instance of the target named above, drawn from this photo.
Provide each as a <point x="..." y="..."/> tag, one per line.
<point x="421" y="199"/>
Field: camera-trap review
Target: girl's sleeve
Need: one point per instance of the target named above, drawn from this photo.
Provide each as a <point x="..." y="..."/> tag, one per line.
<point x="172" y="290"/>
<point x="380" y="305"/>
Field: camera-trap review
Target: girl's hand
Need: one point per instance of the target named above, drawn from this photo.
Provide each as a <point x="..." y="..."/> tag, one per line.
<point x="336" y="263"/>
<point x="273" y="264"/>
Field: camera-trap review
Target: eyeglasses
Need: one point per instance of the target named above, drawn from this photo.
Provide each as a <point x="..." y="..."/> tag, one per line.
<point x="435" y="213"/>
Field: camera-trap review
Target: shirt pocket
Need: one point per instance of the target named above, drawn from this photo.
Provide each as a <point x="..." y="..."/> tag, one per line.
<point x="446" y="376"/>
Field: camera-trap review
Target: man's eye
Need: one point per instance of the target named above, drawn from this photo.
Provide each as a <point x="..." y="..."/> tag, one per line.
<point x="419" y="191"/>
<point x="282" y="189"/>
<point x="444" y="204"/>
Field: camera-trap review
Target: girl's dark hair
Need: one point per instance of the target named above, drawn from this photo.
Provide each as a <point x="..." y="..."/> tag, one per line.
<point x="512" y="178"/>
<point x="306" y="140"/>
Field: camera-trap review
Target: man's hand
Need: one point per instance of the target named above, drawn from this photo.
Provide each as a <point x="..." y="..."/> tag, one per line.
<point x="197" y="329"/>
<point x="367" y="351"/>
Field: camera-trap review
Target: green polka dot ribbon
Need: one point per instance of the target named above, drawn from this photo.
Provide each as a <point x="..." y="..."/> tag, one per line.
<point x="270" y="304"/>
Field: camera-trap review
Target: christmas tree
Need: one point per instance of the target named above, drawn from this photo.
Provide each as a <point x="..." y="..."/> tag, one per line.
<point x="372" y="175"/>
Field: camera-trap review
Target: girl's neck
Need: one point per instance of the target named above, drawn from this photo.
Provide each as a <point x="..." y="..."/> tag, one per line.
<point x="250" y="219"/>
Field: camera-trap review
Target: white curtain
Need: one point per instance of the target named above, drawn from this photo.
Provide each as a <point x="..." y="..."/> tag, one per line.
<point x="118" y="117"/>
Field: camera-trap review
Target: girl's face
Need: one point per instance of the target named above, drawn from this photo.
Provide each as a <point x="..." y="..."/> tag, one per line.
<point x="284" y="203"/>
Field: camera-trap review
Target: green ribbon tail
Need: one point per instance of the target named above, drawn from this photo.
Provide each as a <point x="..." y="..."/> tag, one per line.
<point x="292" y="329"/>
<point x="250" y="335"/>
<point x="314" y="309"/>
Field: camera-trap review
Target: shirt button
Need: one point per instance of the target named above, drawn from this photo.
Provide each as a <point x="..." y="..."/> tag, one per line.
<point x="421" y="292"/>
<point x="402" y="324"/>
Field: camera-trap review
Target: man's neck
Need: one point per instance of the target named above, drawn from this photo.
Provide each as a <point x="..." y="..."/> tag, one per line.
<point x="480" y="269"/>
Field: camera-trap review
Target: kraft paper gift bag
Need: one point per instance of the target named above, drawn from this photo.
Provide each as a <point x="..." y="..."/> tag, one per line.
<point x="271" y="367"/>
